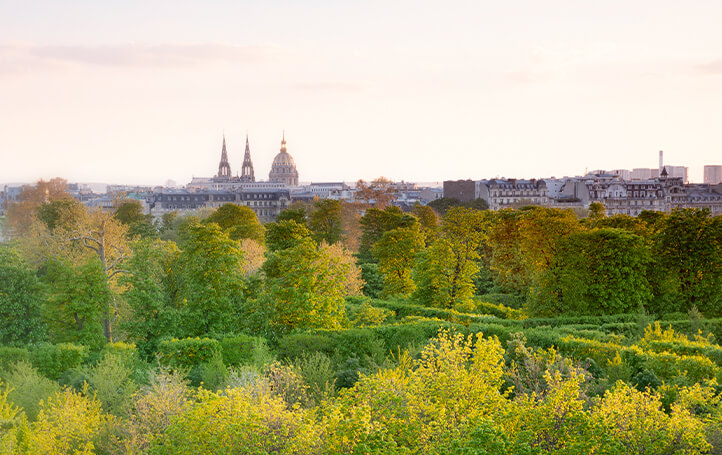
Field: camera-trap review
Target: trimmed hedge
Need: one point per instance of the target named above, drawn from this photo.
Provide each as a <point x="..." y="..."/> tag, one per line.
<point x="52" y="360"/>
<point x="188" y="352"/>
<point x="237" y="349"/>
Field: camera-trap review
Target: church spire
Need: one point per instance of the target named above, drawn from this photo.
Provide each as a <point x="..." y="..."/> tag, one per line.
<point x="224" y="168"/>
<point x="247" y="169"/>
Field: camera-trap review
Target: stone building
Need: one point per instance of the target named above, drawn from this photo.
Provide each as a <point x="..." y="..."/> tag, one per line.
<point x="505" y="193"/>
<point x="463" y="190"/>
<point x="266" y="203"/>
<point x="283" y="169"/>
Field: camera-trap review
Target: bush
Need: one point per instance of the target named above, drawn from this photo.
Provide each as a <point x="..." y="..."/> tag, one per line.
<point x="318" y="374"/>
<point x="9" y="356"/>
<point x="366" y="314"/>
<point x="111" y="379"/>
<point x="237" y="349"/>
<point x="28" y="388"/>
<point x="498" y="310"/>
<point x="188" y="352"/>
<point x="54" y="359"/>
<point x="296" y="345"/>
<point x="211" y="375"/>
<point x="127" y="352"/>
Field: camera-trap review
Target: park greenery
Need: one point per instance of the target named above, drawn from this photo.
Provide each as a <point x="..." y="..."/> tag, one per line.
<point x="359" y="329"/>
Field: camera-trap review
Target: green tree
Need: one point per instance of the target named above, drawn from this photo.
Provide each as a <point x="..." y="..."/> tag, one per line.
<point x="149" y="292"/>
<point x="306" y="287"/>
<point x="446" y="270"/>
<point x="601" y="271"/>
<point x="428" y="221"/>
<point x="324" y="221"/>
<point x="396" y="252"/>
<point x="130" y="211"/>
<point x="687" y="268"/>
<point x="377" y="221"/>
<point x="210" y="279"/>
<point x="20" y="301"/>
<point x="295" y="212"/>
<point x="77" y="305"/>
<point x="239" y="221"/>
<point x="285" y="234"/>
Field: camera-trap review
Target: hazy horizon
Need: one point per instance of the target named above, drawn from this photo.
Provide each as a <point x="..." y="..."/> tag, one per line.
<point x="142" y="92"/>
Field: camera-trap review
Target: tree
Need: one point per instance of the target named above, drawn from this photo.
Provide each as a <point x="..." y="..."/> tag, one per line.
<point x="306" y="286"/>
<point x="442" y="205"/>
<point x="77" y="306"/>
<point x="20" y="301"/>
<point x="149" y="291"/>
<point x="284" y="234"/>
<point x="60" y="213"/>
<point x="375" y="222"/>
<point x="601" y="271"/>
<point x="239" y="221"/>
<point x="130" y="213"/>
<point x="210" y="279"/>
<point x="428" y="222"/>
<point x="446" y="270"/>
<point x="396" y="253"/>
<point x="379" y="192"/>
<point x="20" y="213"/>
<point x="324" y="221"/>
<point x="687" y="256"/>
<point x="295" y="212"/>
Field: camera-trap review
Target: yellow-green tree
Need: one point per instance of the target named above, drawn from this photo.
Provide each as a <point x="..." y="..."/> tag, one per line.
<point x="396" y="252"/>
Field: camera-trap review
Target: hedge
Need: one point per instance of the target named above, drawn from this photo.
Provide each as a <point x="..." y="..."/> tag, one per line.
<point x="52" y="360"/>
<point x="11" y="355"/>
<point x="188" y="352"/>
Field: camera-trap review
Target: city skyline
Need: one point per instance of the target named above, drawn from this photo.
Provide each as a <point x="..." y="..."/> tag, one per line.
<point x="142" y="93"/>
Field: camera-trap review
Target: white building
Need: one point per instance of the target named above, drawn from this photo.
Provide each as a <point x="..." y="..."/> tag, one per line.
<point x="713" y="174"/>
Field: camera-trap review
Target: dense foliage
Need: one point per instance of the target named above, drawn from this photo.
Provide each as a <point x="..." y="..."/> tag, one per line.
<point x="522" y="331"/>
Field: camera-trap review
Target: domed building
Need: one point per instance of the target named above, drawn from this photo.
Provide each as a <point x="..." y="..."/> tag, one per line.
<point x="283" y="169"/>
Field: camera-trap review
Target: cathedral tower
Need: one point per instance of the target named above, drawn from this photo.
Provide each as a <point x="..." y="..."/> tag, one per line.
<point x="224" y="168"/>
<point x="247" y="169"/>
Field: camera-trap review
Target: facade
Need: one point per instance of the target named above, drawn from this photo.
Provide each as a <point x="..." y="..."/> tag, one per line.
<point x="266" y="203"/>
<point x="712" y="175"/>
<point x="507" y="193"/>
<point x="283" y="169"/>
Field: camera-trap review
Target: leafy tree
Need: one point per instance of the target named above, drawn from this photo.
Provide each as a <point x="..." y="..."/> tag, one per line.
<point x="446" y="270"/>
<point x="285" y="234"/>
<point x="77" y="305"/>
<point x="210" y="279"/>
<point x="20" y="301"/>
<point x="396" y="253"/>
<point x="428" y="221"/>
<point x="597" y="210"/>
<point x="375" y="222"/>
<point x="601" y="271"/>
<point x="20" y="213"/>
<point x="442" y="205"/>
<point x="306" y="287"/>
<point x="239" y="221"/>
<point x="295" y="212"/>
<point x="378" y="192"/>
<point x="324" y="221"/>
<point x="129" y="212"/>
<point x="687" y="256"/>
<point x="60" y="212"/>
<point x="149" y="292"/>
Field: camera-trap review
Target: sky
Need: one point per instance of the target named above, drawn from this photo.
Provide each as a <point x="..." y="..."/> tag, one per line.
<point x="142" y="91"/>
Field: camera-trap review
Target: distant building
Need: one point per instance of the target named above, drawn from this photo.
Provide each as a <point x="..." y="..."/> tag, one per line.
<point x="712" y="174"/>
<point x="266" y="203"/>
<point x="505" y="193"/>
<point x="463" y="190"/>
<point x="283" y="169"/>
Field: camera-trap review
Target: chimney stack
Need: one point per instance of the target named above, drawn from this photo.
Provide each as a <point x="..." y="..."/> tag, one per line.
<point x="661" y="161"/>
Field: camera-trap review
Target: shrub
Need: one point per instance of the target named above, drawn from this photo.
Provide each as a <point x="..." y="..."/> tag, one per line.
<point x="10" y="355"/>
<point x="295" y="345"/>
<point x="188" y="352"/>
<point x="127" y="352"/>
<point x="237" y="349"/>
<point x="318" y="374"/>
<point x="54" y="359"/>
<point x="28" y="388"/>
<point x="112" y="383"/>
<point x="366" y="314"/>
<point x="211" y="375"/>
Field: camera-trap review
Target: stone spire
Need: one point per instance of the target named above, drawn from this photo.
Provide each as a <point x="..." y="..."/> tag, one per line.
<point x="247" y="169"/>
<point x="224" y="168"/>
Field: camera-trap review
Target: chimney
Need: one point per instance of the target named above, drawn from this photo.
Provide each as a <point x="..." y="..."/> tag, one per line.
<point x="661" y="161"/>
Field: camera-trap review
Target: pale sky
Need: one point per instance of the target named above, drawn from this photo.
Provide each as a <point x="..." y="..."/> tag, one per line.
<point x="142" y="91"/>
